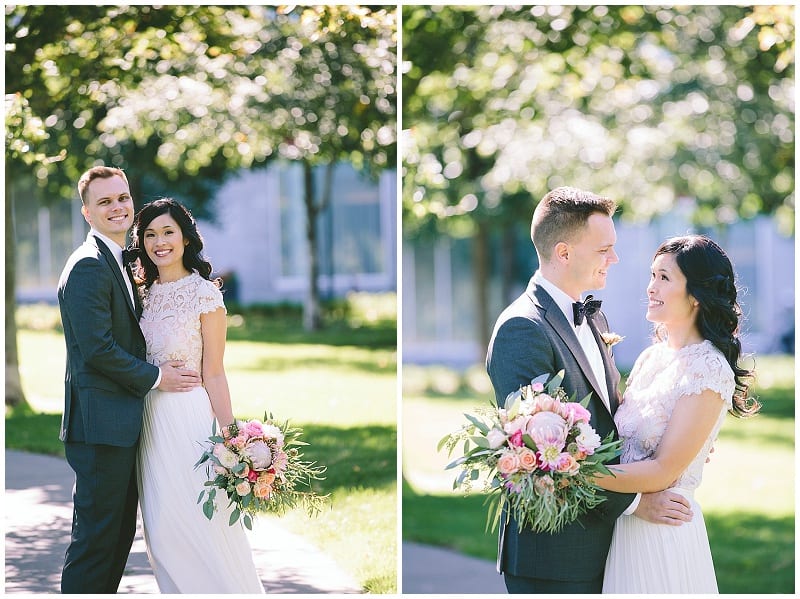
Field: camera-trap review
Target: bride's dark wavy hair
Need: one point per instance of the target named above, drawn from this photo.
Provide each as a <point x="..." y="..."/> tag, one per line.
<point x="193" y="251"/>
<point x="710" y="280"/>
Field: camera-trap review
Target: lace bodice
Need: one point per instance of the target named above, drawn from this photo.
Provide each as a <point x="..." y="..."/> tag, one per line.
<point x="659" y="378"/>
<point x="171" y="319"/>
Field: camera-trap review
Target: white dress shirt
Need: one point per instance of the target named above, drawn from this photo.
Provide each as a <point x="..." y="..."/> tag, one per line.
<point x="589" y="345"/>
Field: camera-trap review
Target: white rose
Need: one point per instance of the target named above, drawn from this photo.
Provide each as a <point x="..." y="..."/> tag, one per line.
<point x="225" y="456"/>
<point x="496" y="438"/>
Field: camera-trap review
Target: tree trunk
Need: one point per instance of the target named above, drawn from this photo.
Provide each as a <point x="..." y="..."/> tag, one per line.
<point x="481" y="272"/>
<point x="311" y="308"/>
<point x="15" y="397"/>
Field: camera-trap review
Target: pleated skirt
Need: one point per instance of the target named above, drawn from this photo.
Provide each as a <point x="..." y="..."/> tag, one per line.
<point x="188" y="552"/>
<point x="659" y="558"/>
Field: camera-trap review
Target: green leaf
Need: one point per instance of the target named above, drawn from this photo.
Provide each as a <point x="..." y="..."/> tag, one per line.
<point x="208" y="509"/>
<point x="478" y="423"/>
<point x="555" y="382"/>
<point x="480" y="441"/>
<point x="455" y="463"/>
<point x="442" y="443"/>
<point x="200" y="498"/>
<point x="234" y="517"/>
<point x="248" y="522"/>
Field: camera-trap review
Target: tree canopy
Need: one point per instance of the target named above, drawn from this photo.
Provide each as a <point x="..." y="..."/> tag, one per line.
<point x="641" y="103"/>
<point x="183" y="95"/>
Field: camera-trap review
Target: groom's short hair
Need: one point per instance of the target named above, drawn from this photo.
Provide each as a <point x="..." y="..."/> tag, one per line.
<point x="98" y="172"/>
<point x="562" y="213"/>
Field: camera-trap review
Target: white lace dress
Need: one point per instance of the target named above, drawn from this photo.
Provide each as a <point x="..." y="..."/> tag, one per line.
<point x="188" y="552"/>
<point x="659" y="558"/>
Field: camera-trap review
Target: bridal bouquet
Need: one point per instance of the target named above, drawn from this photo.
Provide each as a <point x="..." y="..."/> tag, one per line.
<point x="260" y="468"/>
<point x="539" y="454"/>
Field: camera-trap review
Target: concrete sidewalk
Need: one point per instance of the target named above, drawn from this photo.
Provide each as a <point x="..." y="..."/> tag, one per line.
<point x="38" y="519"/>
<point x="436" y="571"/>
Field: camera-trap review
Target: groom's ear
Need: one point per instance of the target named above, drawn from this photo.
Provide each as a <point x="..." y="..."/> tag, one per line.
<point x="85" y="213"/>
<point x="561" y="251"/>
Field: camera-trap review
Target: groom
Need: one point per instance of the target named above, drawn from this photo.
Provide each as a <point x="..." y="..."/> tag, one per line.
<point x="106" y="380"/>
<point x="546" y="330"/>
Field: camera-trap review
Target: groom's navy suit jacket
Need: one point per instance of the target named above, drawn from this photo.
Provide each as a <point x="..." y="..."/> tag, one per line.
<point x="532" y="337"/>
<point x="107" y="376"/>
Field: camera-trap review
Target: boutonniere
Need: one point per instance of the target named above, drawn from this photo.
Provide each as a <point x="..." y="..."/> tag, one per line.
<point x="611" y="339"/>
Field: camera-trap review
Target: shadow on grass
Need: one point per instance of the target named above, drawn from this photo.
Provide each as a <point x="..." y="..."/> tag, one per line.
<point x="357" y="457"/>
<point x="753" y="553"/>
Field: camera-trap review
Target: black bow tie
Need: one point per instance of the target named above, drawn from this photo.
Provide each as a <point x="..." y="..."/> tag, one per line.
<point x="129" y="255"/>
<point x="586" y="308"/>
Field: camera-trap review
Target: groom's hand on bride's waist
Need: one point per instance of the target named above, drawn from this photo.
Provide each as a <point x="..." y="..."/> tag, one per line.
<point x="174" y="377"/>
<point x="664" y="507"/>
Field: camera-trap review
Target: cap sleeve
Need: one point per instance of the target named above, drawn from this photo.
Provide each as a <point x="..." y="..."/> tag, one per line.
<point x="209" y="297"/>
<point x="708" y="369"/>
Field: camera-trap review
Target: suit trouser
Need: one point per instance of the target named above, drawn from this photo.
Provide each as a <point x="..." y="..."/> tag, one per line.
<point x="541" y="586"/>
<point x="105" y="500"/>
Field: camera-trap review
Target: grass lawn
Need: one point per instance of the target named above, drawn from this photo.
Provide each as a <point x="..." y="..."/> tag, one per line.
<point x="339" y="385"/>
<point x="747" y="492"/>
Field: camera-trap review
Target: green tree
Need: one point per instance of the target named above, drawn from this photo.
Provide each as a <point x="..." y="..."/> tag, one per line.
<point x="641" y="103"/>
<point x="181" y="96"/>
<point x="314" y="85"/>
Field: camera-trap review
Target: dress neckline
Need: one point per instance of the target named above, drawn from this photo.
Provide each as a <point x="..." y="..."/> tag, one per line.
<point x="176" y="281"/>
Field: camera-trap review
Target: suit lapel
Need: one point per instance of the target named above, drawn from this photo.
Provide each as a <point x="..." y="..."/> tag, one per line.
<point x="556" y="318"/>
<point x="112" y="264"/>
<point x="604" y="352"/>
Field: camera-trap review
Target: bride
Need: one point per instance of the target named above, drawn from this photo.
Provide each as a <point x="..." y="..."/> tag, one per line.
<point x="184" y="318"/>
<point x="678" y="393"/>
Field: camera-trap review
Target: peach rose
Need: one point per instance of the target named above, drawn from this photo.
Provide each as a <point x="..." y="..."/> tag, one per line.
<point x="527" y="460"/>
<point x="262" y="490"/>
<point x="508" y="463"/>
<point x="267" y="478"/>
<point x="568" y="464"/>
<point x="243" y="488"/>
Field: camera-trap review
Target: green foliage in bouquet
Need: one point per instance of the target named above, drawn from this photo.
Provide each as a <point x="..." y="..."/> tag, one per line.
<point x="539" y="455"/>
<point x="260" y="468"/>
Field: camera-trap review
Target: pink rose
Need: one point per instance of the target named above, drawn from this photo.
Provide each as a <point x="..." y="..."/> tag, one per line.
<point x="516" y="439"/>
<point x="568" y="464"/>
<point x="253" y="428"/>
<point x="575" y="412"/>
<point x="517" y="424"/>
<point x="243" y="488"/>
<point x="545" y="403"/>
<point x="527" y="460"/>
<point x="508" y="463"/>
<point x="238" y="441"/>
<point x="252" y="476"/>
